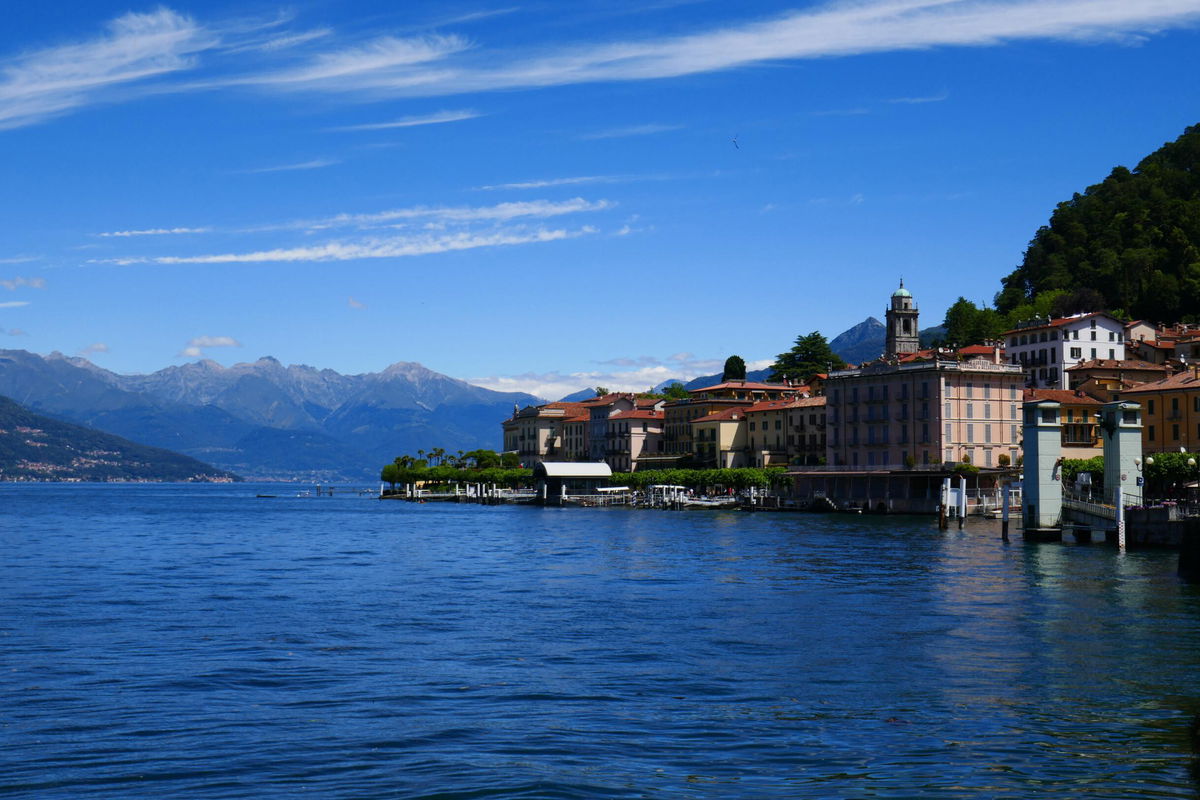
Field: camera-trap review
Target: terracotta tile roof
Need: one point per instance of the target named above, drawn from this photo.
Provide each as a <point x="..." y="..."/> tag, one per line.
<point x="725" y="415"/>
<point x="783" y="405"/>
<point x="1155" y="343"/>
<point x="579" y="418"/>
<point x="1059" y="322"/>
<point x="1116" y="363"/>
<point x="977" y="350"/>
<point x="750" y="385"/>
<point x="1184" y="381"/>
<point x="638" y="413"/>
<point x="1065" y="396"/>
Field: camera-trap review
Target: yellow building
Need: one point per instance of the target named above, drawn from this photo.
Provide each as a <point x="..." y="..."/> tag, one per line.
<point x="1079" y="417"/>
<point x="720" y="439"/>
<point x="1170" y="412"/>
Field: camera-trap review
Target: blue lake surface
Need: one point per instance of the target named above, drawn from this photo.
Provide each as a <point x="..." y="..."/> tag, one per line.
<point x="198" y="642"/>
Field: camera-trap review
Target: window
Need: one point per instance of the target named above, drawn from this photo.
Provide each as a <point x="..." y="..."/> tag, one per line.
<point x="1174" y="405"/>
<point x="1093" y="352"/>
<point x="1112" y="354"/>
<point x="970" y="411"/>
<point x="949" y="431"/>
<point x="1150" y="406"/>
<point x="987" y="434"/>
<point x="1014" y="433"/>
<point x="1076" y="352"/>
<point x="949" y="414"/>
<point x="987" y="410"/>
<point x="1175" y="432"/>
<point x="970" y="432"/>
<point x="1150" y="433"/>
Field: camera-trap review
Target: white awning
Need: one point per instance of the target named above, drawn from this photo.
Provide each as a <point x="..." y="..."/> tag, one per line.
<point x="572" y="469"/>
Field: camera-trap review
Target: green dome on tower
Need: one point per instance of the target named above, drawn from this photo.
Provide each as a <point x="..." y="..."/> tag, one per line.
<point x="902" y="292"/>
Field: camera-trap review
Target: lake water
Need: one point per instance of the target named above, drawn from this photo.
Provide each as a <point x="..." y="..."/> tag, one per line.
<point x="199" y="642"/>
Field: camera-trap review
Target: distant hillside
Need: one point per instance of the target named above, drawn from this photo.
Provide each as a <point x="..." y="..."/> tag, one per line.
<point x="264" y="420"/>
<point x="1134" y="238"/>
<point x="712" y="380"/>
<point x="38" y="448"/>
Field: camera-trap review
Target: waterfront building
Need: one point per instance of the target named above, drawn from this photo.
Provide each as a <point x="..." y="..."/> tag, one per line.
<point x="1170" y="412"/>
<point x="1044" y="348"/>
<point x="679" y="414"/>
<point x="720" y="439"/>
<point x="537" y="433"/>
<point x="631" y="435"/>
<point x="806" y="430"/>
<point x="599" y="411"/>
<point x="1078" y="416"/>
<point x="929" y="412"/>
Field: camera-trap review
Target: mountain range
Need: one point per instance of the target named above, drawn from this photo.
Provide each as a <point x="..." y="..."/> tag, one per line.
<point x="263" y="420"/>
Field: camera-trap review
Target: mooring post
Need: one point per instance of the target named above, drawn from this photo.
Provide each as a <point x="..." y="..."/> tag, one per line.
<point x="944" y="523"/>
<point x="1004" y="506"/>
<point x="962" y="500"/>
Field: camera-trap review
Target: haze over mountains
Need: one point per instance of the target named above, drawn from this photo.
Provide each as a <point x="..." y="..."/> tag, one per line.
<point x="264" y="420"/>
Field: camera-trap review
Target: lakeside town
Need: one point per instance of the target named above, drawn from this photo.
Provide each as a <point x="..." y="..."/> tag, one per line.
<point x="884" y="435"/>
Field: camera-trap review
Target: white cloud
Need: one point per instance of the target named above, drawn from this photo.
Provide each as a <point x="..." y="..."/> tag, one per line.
<point x="153" y="232"/>
<point x="448" y="65"/>
<point x="14" y="304"/>
<point x="634" y="374"/>
<point x="352" y="303"/>
<point x="136" y="48"/>
<point x="93" y="349"/>
<point x="18" y="260"/>
<point x="314" y="164"/>
<point x="18" y="282"/>
<point x="648" y="129"/>
<point x="502" y="212"/>
<point x="196" y="347"/>
<point x="381" y="247"/>
<point x="15" y="332"/>
<point x="387" y="60"/>
<point x="550" y="182"/>
<point x="935" y="98"/>
<point x="437" y="118"/>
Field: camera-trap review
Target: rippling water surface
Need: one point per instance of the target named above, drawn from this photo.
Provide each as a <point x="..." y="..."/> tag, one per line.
<point x="199" y="642"/>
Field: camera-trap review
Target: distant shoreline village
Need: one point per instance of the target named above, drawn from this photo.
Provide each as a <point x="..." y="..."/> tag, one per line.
<point x="886" y="434"/>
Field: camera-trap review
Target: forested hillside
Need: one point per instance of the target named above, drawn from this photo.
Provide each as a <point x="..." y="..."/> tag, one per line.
<point x="1134" y="238"/>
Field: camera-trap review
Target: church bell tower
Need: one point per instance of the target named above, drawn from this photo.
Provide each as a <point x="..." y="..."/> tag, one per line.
<point x="903" y="336"/>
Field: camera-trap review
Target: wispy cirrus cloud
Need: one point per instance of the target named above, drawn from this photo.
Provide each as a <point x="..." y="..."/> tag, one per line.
<point x="13" y="332"/>
<point x="501" y="212"/>
<point x="377" y="247"/>
<point x="355" y="304"/>
<point x="921" y="99"/>
<point x="134" y="50"/>
<point x="12" y="284"/>
<point x="450" y="65"/>
<point x="196" y="347"/>
<point x="648" y="129"/>
<point x="437" y="118"/>
<point x="400" y="232"/>
<point x="140" y="53"/>
<point x="14" y="304"/>
<point x="151" y="232"/>
<point x="318" y="163"/>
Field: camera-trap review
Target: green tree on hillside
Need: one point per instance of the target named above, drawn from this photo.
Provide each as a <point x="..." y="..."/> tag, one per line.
<point x="810" y="354"/>
<point x="1133" y="238"/>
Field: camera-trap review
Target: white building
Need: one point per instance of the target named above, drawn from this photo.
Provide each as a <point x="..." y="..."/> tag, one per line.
<point x="1045" y="347"/>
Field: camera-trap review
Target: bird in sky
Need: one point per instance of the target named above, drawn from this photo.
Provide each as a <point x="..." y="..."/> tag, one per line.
<point x="736" y="146"/>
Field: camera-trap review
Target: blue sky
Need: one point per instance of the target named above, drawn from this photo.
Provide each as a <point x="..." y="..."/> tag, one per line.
<point x="544" y="196"/>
